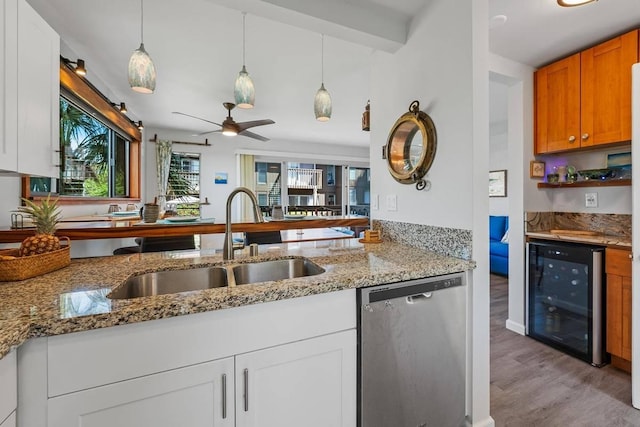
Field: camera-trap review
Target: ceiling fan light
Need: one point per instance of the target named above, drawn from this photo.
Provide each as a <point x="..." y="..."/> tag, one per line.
<point x="571" y="3"/>
<point x="229" y="132"/>
<point x="244" y="91"/>
<point x="322" y="104"/>
<point x="142" y="71"/>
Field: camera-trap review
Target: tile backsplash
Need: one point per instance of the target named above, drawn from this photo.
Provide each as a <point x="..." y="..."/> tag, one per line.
<point x="447" y="241"/>
<point x="613" y="224"/>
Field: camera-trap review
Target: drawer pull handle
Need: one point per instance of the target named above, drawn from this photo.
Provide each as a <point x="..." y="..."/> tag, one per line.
<point x="224" y="396"/>
<point x="246" y="390"/>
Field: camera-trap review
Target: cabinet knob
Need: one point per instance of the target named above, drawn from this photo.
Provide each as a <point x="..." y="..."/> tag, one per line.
<point x="572" y="138"/>
<point x="630" y="256"/>
<point x="585" y="136"/>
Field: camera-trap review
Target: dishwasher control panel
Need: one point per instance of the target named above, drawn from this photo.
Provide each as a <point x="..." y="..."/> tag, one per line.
<point x="411" y="287"/>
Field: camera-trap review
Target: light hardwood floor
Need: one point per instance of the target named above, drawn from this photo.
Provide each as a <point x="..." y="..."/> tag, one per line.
<point x="535" y="385"/>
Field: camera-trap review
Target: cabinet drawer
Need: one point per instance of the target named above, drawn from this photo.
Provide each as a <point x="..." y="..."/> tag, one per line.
<point x="618" y="261"/>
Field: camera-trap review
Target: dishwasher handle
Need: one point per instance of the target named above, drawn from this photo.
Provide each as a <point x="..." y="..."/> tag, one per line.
<point x="414" y="299"/>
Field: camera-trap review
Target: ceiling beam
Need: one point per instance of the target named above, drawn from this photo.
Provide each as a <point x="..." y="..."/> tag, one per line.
<point x="373" y="26"/>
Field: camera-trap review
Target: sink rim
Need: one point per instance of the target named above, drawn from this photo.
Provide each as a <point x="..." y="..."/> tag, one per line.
<point x="227" y="267"/>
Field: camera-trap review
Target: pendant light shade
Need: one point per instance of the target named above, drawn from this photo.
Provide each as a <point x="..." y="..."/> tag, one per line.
<point x="571" y="3"/>
<point x="142" y="71"/>
<point x="322" y="104"/>
<point x="322" y="100"/>
<point x="244" y="91"/>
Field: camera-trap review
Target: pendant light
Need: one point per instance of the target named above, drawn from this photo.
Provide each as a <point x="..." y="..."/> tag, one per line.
<point x="322" y="101"/>
<point x="244" y="92"/>
<point x="142" y="72"/>
<point x="571" y="3"/>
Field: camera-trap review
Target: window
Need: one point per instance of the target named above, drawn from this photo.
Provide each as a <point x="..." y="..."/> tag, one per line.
<point x="183" y="191"/>
<point x="99" y="147"/>
<point x="261" y="173"/>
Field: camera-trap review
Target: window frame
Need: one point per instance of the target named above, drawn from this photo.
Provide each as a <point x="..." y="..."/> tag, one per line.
<point x="94" y="101"/>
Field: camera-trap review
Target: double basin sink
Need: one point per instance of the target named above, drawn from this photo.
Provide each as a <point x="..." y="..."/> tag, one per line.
<point x="194" y="279"/>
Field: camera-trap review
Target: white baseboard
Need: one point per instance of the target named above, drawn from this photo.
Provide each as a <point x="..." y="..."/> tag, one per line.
<point x="518" y="328"/>
<point x="487" y="422"/>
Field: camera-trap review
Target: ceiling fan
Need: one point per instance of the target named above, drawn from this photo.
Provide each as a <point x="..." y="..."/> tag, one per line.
<point x="229" y="126"/>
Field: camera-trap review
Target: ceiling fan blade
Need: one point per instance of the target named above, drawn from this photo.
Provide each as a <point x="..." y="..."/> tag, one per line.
<point x="246" y="125"/>
<point x="195" y="117"/>
<point x="207" y="132"/>
<point x="253" y="135"/>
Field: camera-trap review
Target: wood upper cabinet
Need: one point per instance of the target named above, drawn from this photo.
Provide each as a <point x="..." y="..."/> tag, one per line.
<point x="557" y="105"/>
<point x="585" y="100"/>
<point x="618" y="269"/>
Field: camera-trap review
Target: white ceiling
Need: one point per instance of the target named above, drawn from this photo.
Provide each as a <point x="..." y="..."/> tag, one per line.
<point x="197" y="48"/>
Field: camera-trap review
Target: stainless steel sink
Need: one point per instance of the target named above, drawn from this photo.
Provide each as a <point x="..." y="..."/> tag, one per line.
<point x="174" y="281"/>
<point x="170" y="282"/>
<point x="281" y="269"/>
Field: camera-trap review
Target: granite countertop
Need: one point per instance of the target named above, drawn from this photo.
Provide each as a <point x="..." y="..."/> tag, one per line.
<point x="596" y="239"/>
<point x="74" y="298"/>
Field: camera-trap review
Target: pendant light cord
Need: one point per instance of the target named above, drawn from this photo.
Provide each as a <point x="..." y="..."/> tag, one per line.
<point x="322" y="61"/>
<point x="142" y="21"/>
<point x="244" y="16"/>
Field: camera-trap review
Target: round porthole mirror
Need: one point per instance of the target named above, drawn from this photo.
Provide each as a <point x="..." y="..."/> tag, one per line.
<point x="411" y="146"/>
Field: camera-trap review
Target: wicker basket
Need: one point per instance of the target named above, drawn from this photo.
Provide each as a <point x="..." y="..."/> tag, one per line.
<point x="22" y="268"/>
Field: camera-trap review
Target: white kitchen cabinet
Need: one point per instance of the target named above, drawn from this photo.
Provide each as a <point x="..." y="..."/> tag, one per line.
<point x="8" y="389"/>
<point x="8" y="88"/>
<point x="300" y="354"/>
<point x="29" y="91"/>
<point x="309" y="383"/>
<point x="194" y="396"/>
<point x="38" y="100"/>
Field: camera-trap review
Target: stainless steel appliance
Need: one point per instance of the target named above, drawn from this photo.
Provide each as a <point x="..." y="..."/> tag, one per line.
<point x="412" y="353"/>
<point x="566" y="298"/>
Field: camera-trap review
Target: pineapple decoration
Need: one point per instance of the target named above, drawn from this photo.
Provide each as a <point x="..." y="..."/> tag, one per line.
<point x="45" y="216"/>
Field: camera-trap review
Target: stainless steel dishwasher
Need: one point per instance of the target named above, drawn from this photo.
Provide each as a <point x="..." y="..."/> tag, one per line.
<point x="412" y="353"/>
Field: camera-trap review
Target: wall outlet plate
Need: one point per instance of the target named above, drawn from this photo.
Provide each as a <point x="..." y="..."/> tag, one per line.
<point x="591" y="200"/>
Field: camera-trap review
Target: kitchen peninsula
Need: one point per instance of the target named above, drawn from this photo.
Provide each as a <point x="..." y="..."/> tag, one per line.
<point x="84" y="230"/>
<point x="106" y="358"/>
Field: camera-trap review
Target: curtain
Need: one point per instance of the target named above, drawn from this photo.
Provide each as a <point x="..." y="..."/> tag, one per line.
<point x="247" y="179"/>
<point x="163" y="163"/>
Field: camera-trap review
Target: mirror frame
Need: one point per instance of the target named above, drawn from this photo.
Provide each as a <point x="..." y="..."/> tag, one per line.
<point x="423" y="123"/>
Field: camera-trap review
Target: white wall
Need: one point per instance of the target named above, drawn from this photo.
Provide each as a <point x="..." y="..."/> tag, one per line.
<point x="444" y="66"/>
<point x="499" y="159"/>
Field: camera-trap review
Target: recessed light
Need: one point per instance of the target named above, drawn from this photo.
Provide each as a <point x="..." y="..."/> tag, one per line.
<point x="497" y="21"/>
<point x="571" y="3"/>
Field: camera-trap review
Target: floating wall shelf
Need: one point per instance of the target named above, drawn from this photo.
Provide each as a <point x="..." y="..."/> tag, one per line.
<point x="590" y="183"/>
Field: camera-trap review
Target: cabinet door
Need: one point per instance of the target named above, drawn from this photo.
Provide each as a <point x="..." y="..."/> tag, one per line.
<point x="606" y="90"/>
<point x="192" y="396"/>
<point x="8" y="91"/>
<point x="9" y="422"/>
<point x="309" y="383"/>
<point x="38" y="94"/>
<point x="8" y="385"/>
<point x="614" y="314"/>
<point x="557" y="98"/>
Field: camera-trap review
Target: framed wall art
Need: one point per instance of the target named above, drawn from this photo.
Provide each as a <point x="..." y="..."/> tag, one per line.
<point x="536" y="169"/>
<point x="498" y="183"/>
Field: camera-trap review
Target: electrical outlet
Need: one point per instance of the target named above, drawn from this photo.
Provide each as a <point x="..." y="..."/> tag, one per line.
<point x="392" y="202"/>
<point x="591" y="200"/>
<point x="375" y="202"/>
